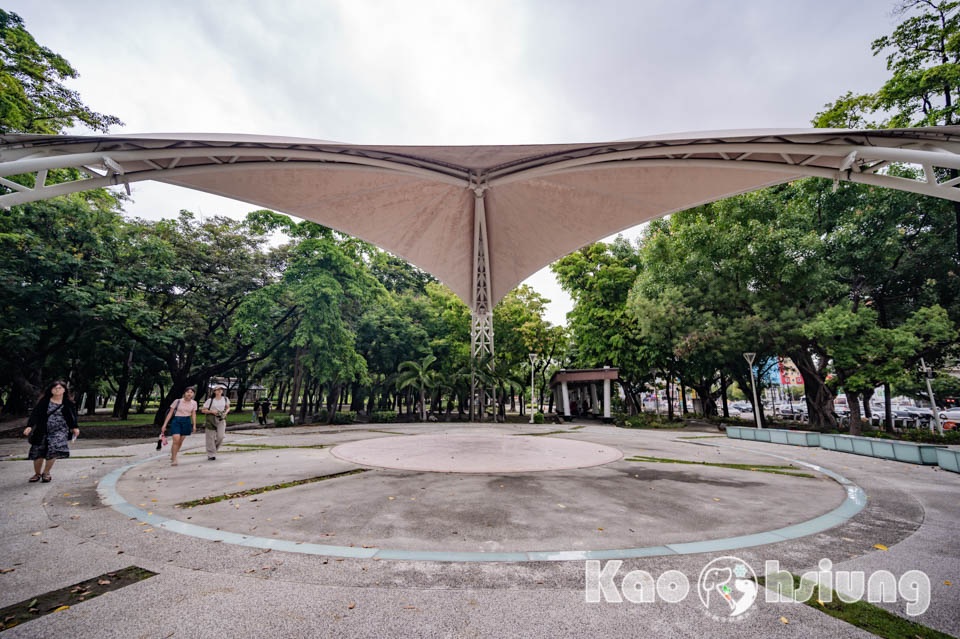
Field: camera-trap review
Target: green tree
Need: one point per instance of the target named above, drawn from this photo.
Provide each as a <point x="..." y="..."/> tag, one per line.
<point x="865" y="355"/>
<point x="33" y="98"/>
<point x="599" y="278"/>
<point x="418" y="375"/>
<point x="923" y="57"/>
<point x="180" y="289"/>
<point x="55" y="261"/>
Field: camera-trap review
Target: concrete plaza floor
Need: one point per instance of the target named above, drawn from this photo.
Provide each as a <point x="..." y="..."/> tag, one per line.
<point x="209" y="582"/>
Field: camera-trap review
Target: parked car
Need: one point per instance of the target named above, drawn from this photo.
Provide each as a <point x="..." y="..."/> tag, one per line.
<point x="949" y="419"/>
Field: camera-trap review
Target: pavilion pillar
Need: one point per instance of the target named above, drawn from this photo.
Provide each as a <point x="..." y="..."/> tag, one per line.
<point x="606" y="397"/>
<point x="594" y="404"/>
<point x="565" y="395"/>
<point x="481" y="314"/>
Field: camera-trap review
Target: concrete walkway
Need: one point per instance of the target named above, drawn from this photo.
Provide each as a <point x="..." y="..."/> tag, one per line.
<point x="210" y="585"/>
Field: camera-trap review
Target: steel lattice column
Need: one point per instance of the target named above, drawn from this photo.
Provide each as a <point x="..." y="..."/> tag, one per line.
<point x="481" y="328"/>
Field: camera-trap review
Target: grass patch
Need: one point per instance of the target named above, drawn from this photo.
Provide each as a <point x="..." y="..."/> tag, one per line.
<point x="73" y="457"/>
<point x="760" y="468"/>
<point x="274" y="447"/>
<point x="257" y="491"/>
<point x="250" y="448"/>
<point x="388" y="432"/>
<point x="867" y="616"/>
<point x="146" y="419"/>
<point x="57" y="600"/>
<point x="552" y="432"/>
<point x="577" y="427"/>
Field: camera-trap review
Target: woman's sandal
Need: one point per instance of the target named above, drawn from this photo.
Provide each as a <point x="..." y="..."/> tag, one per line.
<point x="34" y="479"/>
<point x="46" y="477"/>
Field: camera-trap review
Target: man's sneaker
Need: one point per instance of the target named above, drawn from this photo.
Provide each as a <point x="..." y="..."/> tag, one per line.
<point x="210" y="458"/>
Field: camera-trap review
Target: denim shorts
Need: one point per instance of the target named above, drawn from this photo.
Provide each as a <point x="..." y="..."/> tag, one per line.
<point x="180" y="426"/>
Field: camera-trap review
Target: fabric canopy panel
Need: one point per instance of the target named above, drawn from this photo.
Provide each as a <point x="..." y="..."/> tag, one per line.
<point x="483" y="218"/>
<point x="534" y="223"/>
<point x="430" y="224"/>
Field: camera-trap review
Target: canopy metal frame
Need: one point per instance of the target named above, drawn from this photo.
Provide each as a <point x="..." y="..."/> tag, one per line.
<point x="842" y="156"/>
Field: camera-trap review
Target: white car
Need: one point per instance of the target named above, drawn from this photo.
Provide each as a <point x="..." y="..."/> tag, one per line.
<point x="950" y="419"/>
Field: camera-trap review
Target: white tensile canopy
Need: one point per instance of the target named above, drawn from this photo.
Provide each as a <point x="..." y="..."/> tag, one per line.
<point x="483" y="218"/>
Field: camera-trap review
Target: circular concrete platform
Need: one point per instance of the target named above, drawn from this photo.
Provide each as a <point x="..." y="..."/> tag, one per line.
<point x="476" y="453"/>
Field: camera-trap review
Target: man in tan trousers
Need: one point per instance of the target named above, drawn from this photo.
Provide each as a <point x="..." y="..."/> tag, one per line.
<point x="215" y="408"/>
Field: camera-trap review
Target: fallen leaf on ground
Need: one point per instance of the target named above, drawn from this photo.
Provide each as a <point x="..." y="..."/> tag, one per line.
<point x="946" y="583"/>
<point x="36" y="533"/>
<point x="784" y="620"/>
<point x="352" y="605"/>
<point x="716" y="499"/>
<point x="103" y="582"/>
<point x="239" y="483"/>
<point x="61" y="608"/>
<point x="6" y="570"/>
<point x="880" y="547"/>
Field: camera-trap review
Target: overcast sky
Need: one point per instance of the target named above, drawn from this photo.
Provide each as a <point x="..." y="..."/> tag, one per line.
<point x="457" y="72"/>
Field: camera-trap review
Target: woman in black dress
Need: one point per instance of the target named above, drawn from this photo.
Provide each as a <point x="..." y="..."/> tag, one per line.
<point x="48" y="430"/>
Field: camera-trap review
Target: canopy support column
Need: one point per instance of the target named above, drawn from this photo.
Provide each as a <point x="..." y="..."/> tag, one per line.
<point x="481" y="313"/>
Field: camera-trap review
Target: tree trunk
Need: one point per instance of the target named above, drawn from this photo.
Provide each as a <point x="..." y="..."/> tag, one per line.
<point x="120" y="406"/>
<point x="669" y="397"/>
<point x="356" y="398"/>
<point x="683" y="397"/>
<point x="303" y="399"/>
<point x="887" y="409"/>
<point x="297" y="379"/>
<point x="125" y="411"/>
<point x="853" y="403"/>
<point x="818" y="395"/>
<point x="723" y="394"/>
<point x="867" y="410"/>
<point x="280" y="392"/>
<point x="334" y="397"/>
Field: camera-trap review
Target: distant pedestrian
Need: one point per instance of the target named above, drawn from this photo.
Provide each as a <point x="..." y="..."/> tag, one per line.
<point x="48" y="430"/>
<point x="256" y="410"/>
<point x="264" y="411"/>
<point x="215" y="424"/>
<point x="182" y="418"/>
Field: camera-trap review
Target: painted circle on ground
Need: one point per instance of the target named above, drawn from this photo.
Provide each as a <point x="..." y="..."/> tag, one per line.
<point x="853" y="503"/>
<point x="476" y="453"/>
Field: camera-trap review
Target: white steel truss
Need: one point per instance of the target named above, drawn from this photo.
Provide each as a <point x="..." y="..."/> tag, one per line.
<point x="848" y="156"/>
<point x="481" y="312"/>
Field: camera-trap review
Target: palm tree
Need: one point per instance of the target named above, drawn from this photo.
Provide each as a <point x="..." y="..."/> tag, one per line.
<point x="418" y="375"/>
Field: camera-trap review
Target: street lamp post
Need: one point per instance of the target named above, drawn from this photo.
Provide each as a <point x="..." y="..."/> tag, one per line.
<point x="753" y="383"/>
<point x="928" y="374"/>
<point x="533" y="397"/>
